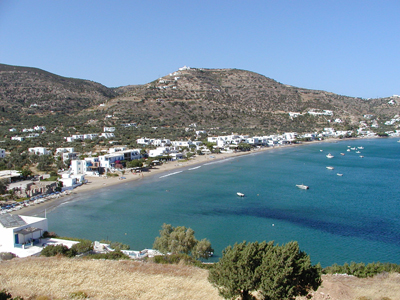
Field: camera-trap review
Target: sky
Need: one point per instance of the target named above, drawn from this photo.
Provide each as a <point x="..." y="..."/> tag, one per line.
<point x="348" y="47"/>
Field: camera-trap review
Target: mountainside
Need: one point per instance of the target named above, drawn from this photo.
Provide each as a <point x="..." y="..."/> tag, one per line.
<point x="227" y="98"/>
<point x="33" y="91"/>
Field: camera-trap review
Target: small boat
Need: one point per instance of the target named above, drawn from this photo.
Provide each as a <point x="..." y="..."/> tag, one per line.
<point x="321" y="150"/>
<point x="360" y="148"/>
<point x="339" y="174"/>
<point x="330" y="168"/>
<point x="348" y="150"/>
<point x="358" y="152"/>
<point x="240" y="194"/>
<point x="329" y="155"/>
<point x="361" y="156"/>
<point x="353" y="148"/>
<point x="302" y="186"/>
<point x="341" y="153"/>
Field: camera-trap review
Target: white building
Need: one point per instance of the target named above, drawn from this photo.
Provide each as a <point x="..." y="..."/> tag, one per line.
<point x="143" y="141"/>
<point x="107" y="135"/>
<point x="39" y="150"/>
<point x="65" y="150"/>
<point x="108" y="129"/>
<point x="17" y="231"/>
<point x="109" y="160"/>
<point x="40" y="128"/>
<point x="17" y="138"/>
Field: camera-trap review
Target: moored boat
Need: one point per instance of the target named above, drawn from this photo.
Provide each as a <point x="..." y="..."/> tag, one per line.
<point x="302" y="186"/>
<point x="339" y="174"/>
<point x="240" y="194"/>
<point x="330" y="168"/>
<point x="329" y="155"/>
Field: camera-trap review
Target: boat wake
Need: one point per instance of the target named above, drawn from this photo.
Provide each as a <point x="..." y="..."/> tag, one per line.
<point x="170" y="174"/>
<point x="218" y="161"/>
<point x="194" y="168"/>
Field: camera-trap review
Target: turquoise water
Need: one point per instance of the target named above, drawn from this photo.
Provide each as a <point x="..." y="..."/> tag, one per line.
<point x="355" y="217"/>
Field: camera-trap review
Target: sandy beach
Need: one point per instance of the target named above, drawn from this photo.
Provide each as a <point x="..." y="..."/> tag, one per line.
<point x="96" y="183"/>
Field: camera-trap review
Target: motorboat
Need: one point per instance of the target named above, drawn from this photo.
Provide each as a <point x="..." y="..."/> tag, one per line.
<point x="339" y="174"/>
<point x="240" y="194"/>
<point x="330" y="168"/>
<point x="361" y="156"/>
<point x="348" y="150"/>
<point x="329" y="155"/>
<point x="341" y="153"/>
<point x="302" y="186"/>
<point x="358" y="152"/>
<point x="360" y="148"/>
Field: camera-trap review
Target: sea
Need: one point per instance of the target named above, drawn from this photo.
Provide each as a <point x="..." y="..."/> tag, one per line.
<point x="339" y="219"/>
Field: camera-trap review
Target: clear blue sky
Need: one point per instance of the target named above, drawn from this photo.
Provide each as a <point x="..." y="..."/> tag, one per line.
<point x="347" y="47"/>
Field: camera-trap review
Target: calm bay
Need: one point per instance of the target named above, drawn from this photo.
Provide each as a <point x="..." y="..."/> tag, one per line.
<point x="354" y="217"/>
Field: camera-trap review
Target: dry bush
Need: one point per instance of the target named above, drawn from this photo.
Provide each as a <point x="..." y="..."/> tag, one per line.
<point x="59" y="278"/>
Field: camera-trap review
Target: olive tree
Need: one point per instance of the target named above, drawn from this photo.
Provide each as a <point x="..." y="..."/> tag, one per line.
<point x="180" y="239"/>
<point x="276" y="272"/>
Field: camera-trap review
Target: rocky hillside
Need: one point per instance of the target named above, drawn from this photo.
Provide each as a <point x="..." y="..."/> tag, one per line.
<point x="231" y="99"/>
<point x="30" y="91"/>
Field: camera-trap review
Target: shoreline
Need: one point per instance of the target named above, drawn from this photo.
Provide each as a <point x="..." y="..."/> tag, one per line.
<point x="97" y="183"/>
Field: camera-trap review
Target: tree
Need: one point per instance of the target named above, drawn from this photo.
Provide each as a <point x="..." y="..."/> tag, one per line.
<point x="180" y="239"/>
<point x="276" y="272"/>
<point x="202" y="249"/>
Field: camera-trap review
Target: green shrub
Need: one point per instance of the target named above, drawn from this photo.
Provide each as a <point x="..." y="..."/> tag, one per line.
<point x="6" y="256"/>
<point x="78" y="295"/>
<point x="82" y="247"/>
<point x="115" y="255"/>
<point x="4" y="295"/>
<point x="361" y="270"/>
<point x="53" y="250"/>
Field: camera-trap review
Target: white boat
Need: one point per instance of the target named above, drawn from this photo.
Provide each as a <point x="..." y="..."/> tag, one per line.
<point x="330" y="168"/>
<point x="321" y="150"/>
<point x="358" y="152"/>
<point x="339" y="174"/>
<point x="329" y="155"/>
<point x="361" y="156"/>
<point x="240" y="194"/>
<point x="302" y="186"/>
<point x="341" y="153"/>
<point x="353" y="148"/>
<point x="360" y="147"/>
<point x="348" y="150"/>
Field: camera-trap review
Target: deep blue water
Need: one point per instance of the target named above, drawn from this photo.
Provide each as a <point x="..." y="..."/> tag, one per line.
<point x="355" y="217"/>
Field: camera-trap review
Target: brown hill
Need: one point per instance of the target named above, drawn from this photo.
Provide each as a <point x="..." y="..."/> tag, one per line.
<point x="230" y="99"/>
<point x="30" y="91"/>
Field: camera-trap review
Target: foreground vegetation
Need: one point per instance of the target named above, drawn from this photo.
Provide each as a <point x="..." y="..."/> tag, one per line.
<point x="62" y="278"/>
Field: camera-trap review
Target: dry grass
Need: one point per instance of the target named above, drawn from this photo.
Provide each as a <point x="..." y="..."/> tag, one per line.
<point x="378" y="287"/>
<point x="57" y="278"/>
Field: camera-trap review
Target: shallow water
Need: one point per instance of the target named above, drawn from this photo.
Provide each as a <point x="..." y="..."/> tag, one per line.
<point x="354" y="217"/>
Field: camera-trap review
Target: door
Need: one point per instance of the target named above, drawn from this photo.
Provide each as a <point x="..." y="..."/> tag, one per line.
<point x="16" y="239"/>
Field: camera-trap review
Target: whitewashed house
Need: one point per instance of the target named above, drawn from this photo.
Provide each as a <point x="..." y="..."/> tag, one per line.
<point x="143" y="141"/>
<point x="17" y="138"/>
<point x="65" y="150"/>
<point x="39" y="150"/>
<point x="107" y="135"/>
<point x="108" y="129"/>
<point x="20" y="231"/>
